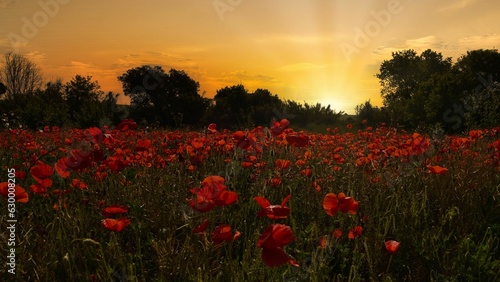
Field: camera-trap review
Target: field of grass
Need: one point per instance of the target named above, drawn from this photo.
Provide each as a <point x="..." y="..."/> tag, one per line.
<point x="136" y="205"/>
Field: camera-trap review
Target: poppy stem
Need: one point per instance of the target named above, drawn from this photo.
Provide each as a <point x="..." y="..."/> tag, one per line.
<point x="388" y="265"/>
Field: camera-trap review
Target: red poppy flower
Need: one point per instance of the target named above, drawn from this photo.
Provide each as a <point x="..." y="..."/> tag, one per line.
<point x="347" y="204"/>
<point x="323" y="242"/>
<point x="127" y="124"/>
<point x="112" y="210"/>
<point x="278" y="127"/>
<point x="202" y="227"/>
<point x="116" y="225"/>
<point x="332" y="204"/>
<point x="273" y="211"/>
<point x="96" y="134"/>
<point x="76" y="161"/>
<point x="244" y="142"/>
<point x="300" y="140"/>
<point x="20" y="194"/>
<point x="392" y="246"/>
<point x="337" y="233"/>
<point x="355" y="232"/>
<point x="271" y="241"/>
<point x="77" y="183"/>
<point x="41" y="173"/>
<point x="282" y="164"/>
<point x="223" y="233"/>
<point x="38" y="188"/>
<point x="212" y="128"/>
<point x="437" y="169"/>
<point x="213" y="192"/>
<point x="275" y="236"/>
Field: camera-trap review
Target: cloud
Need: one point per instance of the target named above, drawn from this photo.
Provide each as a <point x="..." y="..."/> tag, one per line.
<point x="487" y="41"/>
<point x="423" y="43"/>
<point x="154" y="58"/>
<point x="241" y="76"/>
<point x="457" y="5"/>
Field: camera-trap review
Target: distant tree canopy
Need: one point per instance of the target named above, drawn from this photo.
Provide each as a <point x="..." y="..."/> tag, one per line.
<point x="427" y="89"/>
<point x="168" y="99"/>
<point x="20" y="75"/>
<point x="418" y="91"/>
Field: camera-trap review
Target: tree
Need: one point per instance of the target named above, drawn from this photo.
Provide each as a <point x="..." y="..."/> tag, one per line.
<point x="3" y="89"/>
<point x="263" y="106"/>
<point x="82" y="95"/>
<point x="231" y="107"/>
<point x="401" y="76"/>
<point x="20" y="75"/>
<point x="372" y="115"/>
<point x="170" y="99"/>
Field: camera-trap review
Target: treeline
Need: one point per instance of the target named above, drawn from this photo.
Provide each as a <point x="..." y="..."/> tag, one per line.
<point x="158" y="99"/>
<point x="427" y="91"/>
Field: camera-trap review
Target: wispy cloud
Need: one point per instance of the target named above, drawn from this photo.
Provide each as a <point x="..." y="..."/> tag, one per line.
<point x="242" y="76"/>
<point x="427" y="42"/>
<point x="488" y="41"/>
<point x="457" y="5"/>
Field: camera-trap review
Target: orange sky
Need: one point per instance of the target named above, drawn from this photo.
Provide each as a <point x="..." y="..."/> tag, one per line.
<point x="325" y="51"/>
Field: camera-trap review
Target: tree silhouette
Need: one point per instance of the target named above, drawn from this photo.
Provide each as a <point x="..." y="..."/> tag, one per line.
<point x="83" y="96"/>
<point x="3" y="89"/>
<point x="170" y="99"/>
<point x="20" y="75"/>
<point x="401" y="76"/>
<point x="231" y="107"/>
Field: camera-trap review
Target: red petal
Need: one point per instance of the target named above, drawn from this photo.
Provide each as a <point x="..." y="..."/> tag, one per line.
<point x="274" y="257"/>
<point x="285" y="200"/>
<point x="330" y="204"/>
<point x="263" y="202"/>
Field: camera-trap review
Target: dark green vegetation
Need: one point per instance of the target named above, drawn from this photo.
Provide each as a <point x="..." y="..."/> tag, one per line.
<point x="419" y="92"/>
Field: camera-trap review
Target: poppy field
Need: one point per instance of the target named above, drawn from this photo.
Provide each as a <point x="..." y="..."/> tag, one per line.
<point x="261" y="204"/>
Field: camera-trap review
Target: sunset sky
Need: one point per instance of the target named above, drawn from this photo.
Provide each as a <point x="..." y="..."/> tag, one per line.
<point x="325" y="51"/>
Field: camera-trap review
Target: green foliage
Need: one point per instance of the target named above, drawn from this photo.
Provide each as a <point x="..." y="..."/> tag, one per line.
<point x="371" y="115"/>
<point x="424" y="90"/>
<point x="167" y="99"/>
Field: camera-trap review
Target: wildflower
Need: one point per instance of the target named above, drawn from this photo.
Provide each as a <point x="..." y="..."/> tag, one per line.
<point x="355" y="232"/>
<point x="295" y="140"/>
<point x="337" y="233"/>
<point x="212" y="128"/>
<point x="212" y="193"/>
<point x="222" y="233"/>
<point x="278" y="127"/>
<point x="202" y="227"/>
<point x="437" y="169"/>
<point x="20" y="194"/>
<point x="273" y="211"/>
<point x="392" y="246"/>
<point x="42" y="173"/>
<point x="282" y="164"/>
<point x="111" y="210"/>
<point x="332" y="204"/>
<point x="127" y="124"/>
<point x="271" y="241"/>
<point x="116" y="225"/>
